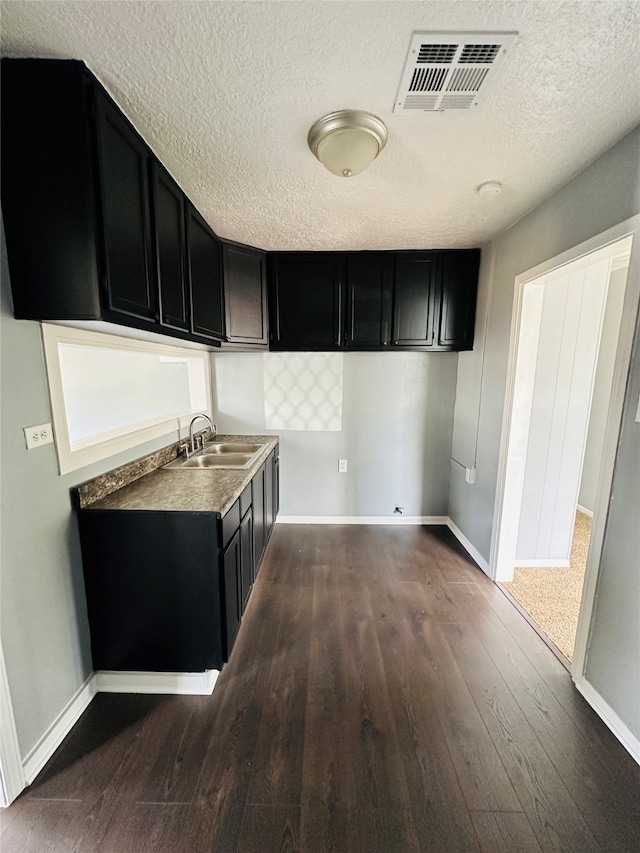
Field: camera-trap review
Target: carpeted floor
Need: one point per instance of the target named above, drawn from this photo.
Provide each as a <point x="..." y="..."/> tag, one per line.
<point x="552" y="596"/>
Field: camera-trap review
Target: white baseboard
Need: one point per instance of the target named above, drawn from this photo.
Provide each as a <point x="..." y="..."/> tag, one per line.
<point x="468" y="546"/>
<point x="361" y="519"/>
<point x="194" y="683"/>
<point x="541" y="564"/>
<point x="585" y="511"/>
<point x="59" y="729"/>
<point x="183" y="683"/>
<point x="12" y="780"/>
<point x="620" y="729"/>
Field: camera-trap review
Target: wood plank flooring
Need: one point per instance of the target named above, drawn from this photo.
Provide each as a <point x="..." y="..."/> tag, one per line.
<point x="383" y="696"/>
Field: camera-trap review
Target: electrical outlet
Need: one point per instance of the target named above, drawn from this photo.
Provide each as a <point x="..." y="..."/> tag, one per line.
<point x="37" y="435"/>
<point x="342" y="466"/>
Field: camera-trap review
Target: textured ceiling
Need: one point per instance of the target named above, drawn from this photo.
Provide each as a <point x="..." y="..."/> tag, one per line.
<point x="225" y="93"/>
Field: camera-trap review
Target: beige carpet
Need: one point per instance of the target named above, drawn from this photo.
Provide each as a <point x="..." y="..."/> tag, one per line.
<point x="552" y="596"/>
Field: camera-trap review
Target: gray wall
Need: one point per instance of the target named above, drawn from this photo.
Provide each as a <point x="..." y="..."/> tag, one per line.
<point x="396" y="434"/>
<point x="603" y="195"/>
<point x="602" y="389"/>
<point x="43" y="619"/>
<point x="613" y="659"/>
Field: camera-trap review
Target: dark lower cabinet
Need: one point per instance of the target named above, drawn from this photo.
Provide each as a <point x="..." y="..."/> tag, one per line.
<point x="266" y="502"/>
<point x="247" y="560"/>
<point x="166" y="590"/>
<point x="231" y="577"/>
<point x="153" y="590"/>
<point x="259" y="529"/>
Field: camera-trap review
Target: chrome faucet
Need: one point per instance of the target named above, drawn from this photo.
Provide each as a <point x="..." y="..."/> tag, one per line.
<point x="193" y="441"/>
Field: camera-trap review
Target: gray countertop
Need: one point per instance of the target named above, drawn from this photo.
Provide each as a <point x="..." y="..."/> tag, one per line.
<point x="190" y="490"/>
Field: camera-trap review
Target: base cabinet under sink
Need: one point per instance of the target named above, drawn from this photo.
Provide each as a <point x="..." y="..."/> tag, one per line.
<point x="166" y="590"/>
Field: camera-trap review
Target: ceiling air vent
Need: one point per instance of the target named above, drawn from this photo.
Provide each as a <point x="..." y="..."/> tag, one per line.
<point x="450" y="71"/>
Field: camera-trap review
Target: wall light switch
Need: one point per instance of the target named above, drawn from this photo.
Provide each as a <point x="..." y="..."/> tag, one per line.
<point x="342" y="466"/>
<point x="470" y="476"/>
<point x="37" y="435"/>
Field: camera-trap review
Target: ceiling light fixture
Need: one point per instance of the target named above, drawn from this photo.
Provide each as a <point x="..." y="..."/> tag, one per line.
<point x="348" y="141"/>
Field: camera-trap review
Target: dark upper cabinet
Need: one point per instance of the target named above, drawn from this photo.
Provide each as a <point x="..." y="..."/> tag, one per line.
<point x="49" y="200"/>
<point x="205" y="277"/>
<point x="458" y="298"/>
<point x="123" y="165"/>
<point x="95" y="226"/>
<point x="367" y="285"/>
<point x="398" y="300"/>
<point x="415" y="278"/>
<point x="245" y="295"/>
<point x="169" y="243"/>
<point x="305" y="301"/>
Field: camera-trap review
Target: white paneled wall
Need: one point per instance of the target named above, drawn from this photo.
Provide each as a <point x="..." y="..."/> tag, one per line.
<point x="570" y="329"/>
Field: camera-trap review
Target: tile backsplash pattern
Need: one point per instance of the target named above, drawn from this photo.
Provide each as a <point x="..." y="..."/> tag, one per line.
<point x="303" y="391"/>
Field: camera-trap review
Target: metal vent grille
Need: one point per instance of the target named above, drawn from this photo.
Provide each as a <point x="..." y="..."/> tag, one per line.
<point x="427" y="79"/>
<point x="441" y="53"/>
<point x="479" y="53"/>
<point x="451" y="69"/>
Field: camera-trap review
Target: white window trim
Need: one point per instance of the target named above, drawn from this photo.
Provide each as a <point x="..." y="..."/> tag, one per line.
<point x="71" y="460"/>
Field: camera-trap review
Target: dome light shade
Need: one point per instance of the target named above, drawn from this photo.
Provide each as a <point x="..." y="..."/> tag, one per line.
<point x="348" y="141"/>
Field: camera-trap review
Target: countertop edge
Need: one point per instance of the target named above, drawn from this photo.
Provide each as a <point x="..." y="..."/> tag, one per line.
<point x="193" y="490"/>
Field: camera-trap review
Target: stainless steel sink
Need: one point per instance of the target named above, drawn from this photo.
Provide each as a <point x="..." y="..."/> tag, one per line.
<point x="221" y="455"/>
<point x="232" y="448"/>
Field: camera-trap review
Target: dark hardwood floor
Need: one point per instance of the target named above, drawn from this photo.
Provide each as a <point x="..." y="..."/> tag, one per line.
<point x="383" y="696"/>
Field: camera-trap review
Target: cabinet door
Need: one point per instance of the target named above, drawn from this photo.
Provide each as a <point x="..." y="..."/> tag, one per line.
<point x="305" y="301"/>
<point x="124" y="159"/>
<point x="231" y="566"/>
<point x="153" y="590"/>
<point x="205" y="278"/>
<point x="276" y="484"/>
<point x="458" y="298"/>
<point x="269" y="497"/>
<point x="368" y="300"/>
<point x="414" y="294"/>
<point x="245" y="295"/>
<point x="48" y="190"/>
<point x="258" y="501"/>
<point x="169" y="249"/>
<point x="247" y="571"/>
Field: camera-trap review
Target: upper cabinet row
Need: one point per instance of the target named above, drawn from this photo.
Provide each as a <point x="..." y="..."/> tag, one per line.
<point x="97" y="229"/>
<point x="373" y="300"/>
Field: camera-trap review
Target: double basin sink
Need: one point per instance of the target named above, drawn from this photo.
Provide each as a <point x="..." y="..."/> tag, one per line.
<point x="220" y="455"/>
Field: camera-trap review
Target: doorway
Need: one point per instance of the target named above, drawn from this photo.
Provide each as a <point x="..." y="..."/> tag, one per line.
<point x="572" y="329"/>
